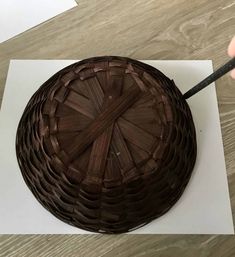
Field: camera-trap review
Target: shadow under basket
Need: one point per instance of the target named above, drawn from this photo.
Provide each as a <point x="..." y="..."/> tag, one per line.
<point x="107" y="144"/>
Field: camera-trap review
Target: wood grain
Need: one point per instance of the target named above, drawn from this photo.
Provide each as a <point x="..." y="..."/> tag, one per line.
<point x="153" y="29"/>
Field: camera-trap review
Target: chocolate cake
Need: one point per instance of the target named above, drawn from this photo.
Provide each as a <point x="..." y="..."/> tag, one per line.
<point x="107" y="144"/>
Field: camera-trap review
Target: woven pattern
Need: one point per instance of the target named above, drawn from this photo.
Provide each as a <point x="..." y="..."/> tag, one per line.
<point x="107" y="144"/>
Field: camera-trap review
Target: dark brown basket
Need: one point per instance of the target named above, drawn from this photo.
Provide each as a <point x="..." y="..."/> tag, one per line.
<point x="107" y="144"/>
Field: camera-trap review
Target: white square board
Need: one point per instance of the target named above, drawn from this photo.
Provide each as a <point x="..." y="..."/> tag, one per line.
<point x="16" y="16"/>
<point x="204" y="208"/>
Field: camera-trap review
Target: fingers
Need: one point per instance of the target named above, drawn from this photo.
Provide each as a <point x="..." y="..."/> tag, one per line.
<point x="233" y="73"/>
<point x="231" y="48"/>
<point x="231" y="53"/>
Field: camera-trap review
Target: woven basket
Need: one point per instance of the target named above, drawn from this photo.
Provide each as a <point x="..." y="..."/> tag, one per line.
<point x="107" y="144"/>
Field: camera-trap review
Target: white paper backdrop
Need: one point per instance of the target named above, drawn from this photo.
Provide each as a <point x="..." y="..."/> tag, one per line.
<point x="16" y="16"/>
<point x="204" y="208"/>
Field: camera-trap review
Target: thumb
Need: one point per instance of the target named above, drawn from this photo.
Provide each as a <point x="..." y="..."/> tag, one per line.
<point x="231" y="53"/>
<point x="231" y="48"/>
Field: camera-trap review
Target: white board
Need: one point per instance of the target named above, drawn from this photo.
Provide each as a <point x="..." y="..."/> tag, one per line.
<point x="204" y="208"/>
<point x="16" y="16"/>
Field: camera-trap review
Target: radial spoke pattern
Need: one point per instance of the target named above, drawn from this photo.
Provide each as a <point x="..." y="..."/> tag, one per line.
<point x="110" y="144"/>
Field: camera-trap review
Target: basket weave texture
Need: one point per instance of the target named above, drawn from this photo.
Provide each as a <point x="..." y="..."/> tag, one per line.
<point x="107" y="144"/>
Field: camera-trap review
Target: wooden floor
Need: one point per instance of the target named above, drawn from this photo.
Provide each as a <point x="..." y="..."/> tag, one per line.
<point x="141" y="29"/>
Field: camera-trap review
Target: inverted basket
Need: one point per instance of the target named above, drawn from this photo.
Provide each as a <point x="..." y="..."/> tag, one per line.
<point x="107" y="144"/>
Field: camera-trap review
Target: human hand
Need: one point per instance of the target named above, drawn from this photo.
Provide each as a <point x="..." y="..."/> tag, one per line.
<point x="231" y="53"/>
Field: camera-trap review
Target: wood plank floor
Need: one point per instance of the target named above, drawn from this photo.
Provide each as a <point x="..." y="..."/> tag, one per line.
<point x="153" y="29"/>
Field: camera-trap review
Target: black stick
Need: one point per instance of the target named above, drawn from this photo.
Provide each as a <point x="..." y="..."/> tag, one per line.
<point x="211" y="78"/>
